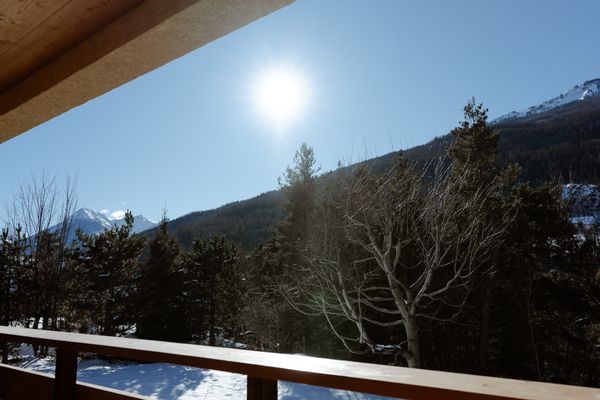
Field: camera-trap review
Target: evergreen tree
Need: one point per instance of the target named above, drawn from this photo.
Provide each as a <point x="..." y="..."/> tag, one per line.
<point x="214" y="288"/>
<point x="473" y="154"/>
<point x="161" y="305"/>
<point x="299" y="188"/>
<point x="533" y="313"/>
<point x="547" y="306"/>
<point x="105" y="266"/>
<point x="298" y="185"/>
<point x="474" y="147"/>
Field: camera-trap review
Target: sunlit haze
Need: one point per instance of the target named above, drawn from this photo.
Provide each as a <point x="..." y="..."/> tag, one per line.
<point x="281" y="96"/>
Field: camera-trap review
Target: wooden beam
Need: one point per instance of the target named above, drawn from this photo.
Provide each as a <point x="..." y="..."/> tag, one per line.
<point x="261" y="389"/>
<point x="20" y="384"/>
<point x="65" y="379"/>
<point x="16" y="383"/>
<point x="146" y="37"/>
<point x="34" y="32"/>
<point x="19" y="18"/>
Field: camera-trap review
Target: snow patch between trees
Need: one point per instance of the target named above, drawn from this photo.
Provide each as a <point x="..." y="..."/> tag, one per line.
<point x="170" y="382"/>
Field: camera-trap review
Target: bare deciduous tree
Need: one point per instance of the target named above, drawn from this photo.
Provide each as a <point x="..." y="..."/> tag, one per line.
<point x="42" y="208"/>
<point x="390" y="250"/>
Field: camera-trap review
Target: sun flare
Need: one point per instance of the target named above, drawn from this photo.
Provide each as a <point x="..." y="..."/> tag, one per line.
<point x="281" y="95"/>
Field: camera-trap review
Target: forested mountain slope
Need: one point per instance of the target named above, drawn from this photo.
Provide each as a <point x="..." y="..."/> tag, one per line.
<point x="562" y="144"/>
<point x="247" y="222"/>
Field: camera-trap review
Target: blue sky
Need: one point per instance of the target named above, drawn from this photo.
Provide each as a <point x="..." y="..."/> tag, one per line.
<point x="383" y="75"/>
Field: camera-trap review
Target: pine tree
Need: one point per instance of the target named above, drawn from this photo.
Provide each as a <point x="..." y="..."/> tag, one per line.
<point x="546" y="303"/>
<point x="214" y="288"/>
<point x="161" y="305"/>
<point x="474" y="146"/>
<point x="473" y="154"/>
<point x="298" y="185"/>
<point x="105" y="266"/>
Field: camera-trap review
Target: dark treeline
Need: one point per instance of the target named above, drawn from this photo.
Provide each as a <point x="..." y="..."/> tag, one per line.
<point x="459" y="266"/>
<point x="248" y="223"/>
<point x="115" y="283"/>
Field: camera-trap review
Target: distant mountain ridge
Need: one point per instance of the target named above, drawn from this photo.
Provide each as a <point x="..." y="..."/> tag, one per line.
<point x="93" y="222"/>
<point x="581" y="92"/>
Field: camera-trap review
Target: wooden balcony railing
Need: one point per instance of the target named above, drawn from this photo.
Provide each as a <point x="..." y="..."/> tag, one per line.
<point x="263" y="371"/>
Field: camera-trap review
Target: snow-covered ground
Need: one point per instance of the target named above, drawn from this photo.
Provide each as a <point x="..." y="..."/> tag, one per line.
<point x="168" y="381"/>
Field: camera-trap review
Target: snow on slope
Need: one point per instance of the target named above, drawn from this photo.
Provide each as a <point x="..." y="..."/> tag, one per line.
<point x="584" y="202"/>
<point x="170" y="382"/>
<point x="577" y="93"/>
<point x="92" y="222"/>
<point x="140" y="223"/>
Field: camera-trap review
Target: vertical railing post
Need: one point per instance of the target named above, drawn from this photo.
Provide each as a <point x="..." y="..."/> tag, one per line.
<point x="4" y="349"/>
<point x="65" y="377"/>
<point x="261" y="389"/>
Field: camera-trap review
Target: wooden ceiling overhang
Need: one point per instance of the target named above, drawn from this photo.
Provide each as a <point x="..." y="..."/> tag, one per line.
<point x="58" y="54"/>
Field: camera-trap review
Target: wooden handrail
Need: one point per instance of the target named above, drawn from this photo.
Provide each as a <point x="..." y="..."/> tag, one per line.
<point x="265" y="368"/>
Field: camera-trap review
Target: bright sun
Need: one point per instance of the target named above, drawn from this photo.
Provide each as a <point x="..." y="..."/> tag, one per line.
<point x="281" y="96"/>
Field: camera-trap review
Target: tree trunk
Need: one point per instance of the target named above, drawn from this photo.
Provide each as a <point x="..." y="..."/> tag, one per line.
<point x="36" y="322"/>
<point x="413" y="353"/>
<point x="6" y="318"/>
<point x="211" y="323"/>
<point x="485" y="330"/>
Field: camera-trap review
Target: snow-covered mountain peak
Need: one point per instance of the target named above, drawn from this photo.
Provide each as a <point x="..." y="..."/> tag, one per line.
<point x="586" y="90"/>
<point x="87" y="215"/>
<point x="92" y="222"/>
